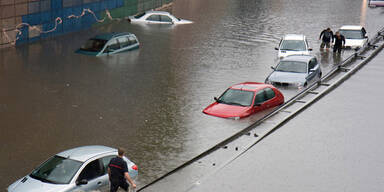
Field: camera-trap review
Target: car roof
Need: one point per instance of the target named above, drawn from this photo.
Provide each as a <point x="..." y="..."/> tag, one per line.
<point x="159" y="12"/>
<point x="85" y="152"/>
<point x="294" y="37"/>
<point x="302" y="58"/>
<point x="351" y="27"/>
<point x="108" y="36"/>
<point x="250" y="86"/>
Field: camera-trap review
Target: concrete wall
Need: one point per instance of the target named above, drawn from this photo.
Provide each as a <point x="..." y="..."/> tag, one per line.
<point x="23" y="21"/>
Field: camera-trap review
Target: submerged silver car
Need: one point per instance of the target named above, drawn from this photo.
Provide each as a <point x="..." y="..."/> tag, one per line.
<point x="79" y="169"/>
<point x="109" y="43"/>
<point x="296" y="70"/>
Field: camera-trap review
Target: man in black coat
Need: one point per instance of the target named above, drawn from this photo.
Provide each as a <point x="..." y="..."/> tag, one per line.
<point x="327" y="35"/>
<point x="339" y="42"/>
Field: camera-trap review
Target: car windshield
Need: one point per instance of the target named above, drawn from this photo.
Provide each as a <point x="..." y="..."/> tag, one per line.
<point x="58" y="170"/>
<point x="293" y="45"/>
<point x="139" y="15"/>
<point x="352" y="34"/>
<point x="292" y="66"/>
<point x="236" y="97"/>
<point x="94" y="45"/>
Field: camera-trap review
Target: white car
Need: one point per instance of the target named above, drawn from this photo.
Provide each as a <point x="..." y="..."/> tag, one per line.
<point x="74" y="170"/>
<point x="355" y="36"/>
<point x="376" y="3"/>
<point x="292" y="44"/>
<point x="157" y="17"/>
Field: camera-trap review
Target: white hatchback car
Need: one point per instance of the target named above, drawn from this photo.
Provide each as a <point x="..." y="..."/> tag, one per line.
<point x="157" y="17"/>
<point x="292" y="44"/>
<point x="355" y="36"/>
<point x="79" y="169"/>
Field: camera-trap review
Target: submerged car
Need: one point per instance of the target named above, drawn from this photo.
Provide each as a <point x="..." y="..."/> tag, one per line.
<point x="110" y="43"/>
<point x="157" y="17"/>
<point x="355" y="36"/>
<point x="244" y="99"/>
<point x="296" y="70"/>
<point x="78" y="169"/>
<point x="376" y="3"/>
<point x="292" y="44"/>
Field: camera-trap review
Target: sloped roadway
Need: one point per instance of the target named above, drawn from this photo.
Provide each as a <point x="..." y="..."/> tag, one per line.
<point x="150" y="100"/>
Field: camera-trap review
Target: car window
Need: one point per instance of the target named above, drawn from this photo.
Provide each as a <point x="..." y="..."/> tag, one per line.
<point x="352" y="34"/>
<point x="93" y="170"/>
<point x="292" y="66"/>
<point x="312" y="63"/>
<point x="165" y="18"/>
<point x="236" y="97"/>
<point x="260" y="97"/>
<point x="293" y="45"/>
<point x="269" y="93"/>
<point x="57" y="169"/>
<point x="94" y="45"/>
<point x="124" y="42"/>
<point x="114" y="45"/>
<point x="132" y="40"/>
<point x="105" y="161"/>
<point x="154" y="18"/>
<point x="139" y="15"/>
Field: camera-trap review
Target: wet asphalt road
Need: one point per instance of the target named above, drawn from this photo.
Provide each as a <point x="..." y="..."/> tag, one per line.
<point x="150" y="100"/>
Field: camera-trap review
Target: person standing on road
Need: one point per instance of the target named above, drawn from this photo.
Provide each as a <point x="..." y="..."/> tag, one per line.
<point x="339" y="42"/>
<point x="327" y="35"/>
<point x="118" y="173"/>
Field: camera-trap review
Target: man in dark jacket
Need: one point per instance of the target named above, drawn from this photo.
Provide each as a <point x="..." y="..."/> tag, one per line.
<point x="339" y="42"/>
<point x="327" y="35"/>
<point x="118" y="172"/>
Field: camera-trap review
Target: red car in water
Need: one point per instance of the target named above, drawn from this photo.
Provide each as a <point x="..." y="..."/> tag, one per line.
<point x="244" y="99"/>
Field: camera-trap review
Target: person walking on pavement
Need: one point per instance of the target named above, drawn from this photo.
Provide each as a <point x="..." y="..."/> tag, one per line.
<point x="118" y="173"/>
<point x="339" y="42"/>
<point x="327" y="35"/>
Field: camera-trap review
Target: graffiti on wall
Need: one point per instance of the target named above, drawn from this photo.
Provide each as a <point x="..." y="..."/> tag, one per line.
<point x="58" y="21"/>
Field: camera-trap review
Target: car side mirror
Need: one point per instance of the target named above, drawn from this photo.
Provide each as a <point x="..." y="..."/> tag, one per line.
<point x="272" y="68"/>
<point x="276" y="48"/>
<point x="310" y="49"/>
<point x="82" y="182"/>
<point x="215" y="98"/>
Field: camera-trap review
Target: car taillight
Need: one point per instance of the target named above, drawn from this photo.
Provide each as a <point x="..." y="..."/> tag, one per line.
<point x="134" y="167"/>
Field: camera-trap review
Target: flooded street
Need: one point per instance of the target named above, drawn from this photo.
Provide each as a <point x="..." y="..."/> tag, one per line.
<point x="335" y="144"/>
<point x="150" y="100"/>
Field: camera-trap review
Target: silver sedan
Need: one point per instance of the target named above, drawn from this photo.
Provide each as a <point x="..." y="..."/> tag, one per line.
<point x="157" y="17"/>
<point x="78" y="169"/>
<point x="296" y="70"/>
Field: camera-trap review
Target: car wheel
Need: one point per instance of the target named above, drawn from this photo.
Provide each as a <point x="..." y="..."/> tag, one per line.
<point x="305" y="84"/>
<point x="320" y="74"/>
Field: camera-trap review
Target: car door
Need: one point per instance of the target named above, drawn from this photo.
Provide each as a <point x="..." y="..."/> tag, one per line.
<point x="258" y="103"/>
<point x="312" y="69"/>
<point x="271" y="99"/>
<point x="92" y="177"/>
